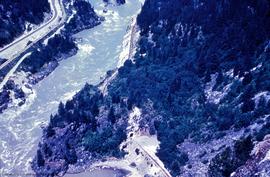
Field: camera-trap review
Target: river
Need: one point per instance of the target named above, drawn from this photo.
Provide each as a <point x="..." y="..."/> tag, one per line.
<point x="99" y="173"/>
<point x="99" y="49"/>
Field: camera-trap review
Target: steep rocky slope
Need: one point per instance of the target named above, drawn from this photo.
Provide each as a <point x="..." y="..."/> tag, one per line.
<point x="204" y="66"/>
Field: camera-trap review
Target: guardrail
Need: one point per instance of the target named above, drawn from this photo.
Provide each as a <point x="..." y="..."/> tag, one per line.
<point x="9" y="64"/>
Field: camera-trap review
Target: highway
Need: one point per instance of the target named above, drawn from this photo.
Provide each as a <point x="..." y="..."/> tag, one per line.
<point x="14" y="49"/>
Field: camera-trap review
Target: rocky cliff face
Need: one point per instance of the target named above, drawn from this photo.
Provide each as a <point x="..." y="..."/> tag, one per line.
<point x="204" y="65"/>
<point x="14" y="15"/>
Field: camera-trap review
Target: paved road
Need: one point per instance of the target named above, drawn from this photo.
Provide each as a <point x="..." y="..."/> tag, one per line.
<point x="27" y="35"/>
<point x="12" y="48"/>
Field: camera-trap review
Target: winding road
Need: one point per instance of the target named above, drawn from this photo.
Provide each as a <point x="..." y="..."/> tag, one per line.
<point x="14" y="49"/>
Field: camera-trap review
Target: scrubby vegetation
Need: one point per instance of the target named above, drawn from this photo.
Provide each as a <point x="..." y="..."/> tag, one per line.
<point x="10" y="88"/>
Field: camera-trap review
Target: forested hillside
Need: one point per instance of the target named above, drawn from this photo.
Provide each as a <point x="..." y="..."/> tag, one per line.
<point x="16" y="13"/>
<point x="204" y="66"/>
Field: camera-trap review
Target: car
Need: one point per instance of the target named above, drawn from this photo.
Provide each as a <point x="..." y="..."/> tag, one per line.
<point x="29" y="42"/>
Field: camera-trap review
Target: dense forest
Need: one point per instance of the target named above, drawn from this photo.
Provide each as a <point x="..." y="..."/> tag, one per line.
<point x="16" y="13"/>
<point x="42" y="54"/>
<point x="196" y="41"/>
<point x="204" y="64"/>
<point x="85" y="17"/>
<point x="91" y="121"/>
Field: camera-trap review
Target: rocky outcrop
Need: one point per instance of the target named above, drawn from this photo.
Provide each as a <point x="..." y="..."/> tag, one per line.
<point x="259" y="163"/>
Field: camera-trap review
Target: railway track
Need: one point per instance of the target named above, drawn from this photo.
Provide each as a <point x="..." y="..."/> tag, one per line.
<point x="163" y="170"/>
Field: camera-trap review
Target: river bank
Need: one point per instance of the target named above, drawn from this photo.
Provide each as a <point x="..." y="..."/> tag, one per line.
<point x="100" y="172"/>
<point x="44" y="57"/>
<point x="22" y="125"/>
<point x="204" y="109"/>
